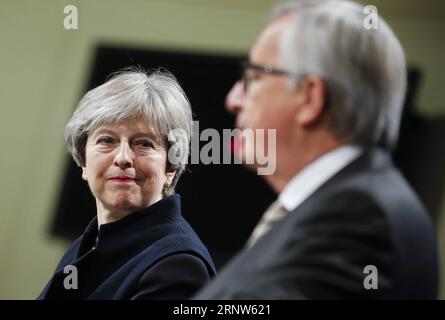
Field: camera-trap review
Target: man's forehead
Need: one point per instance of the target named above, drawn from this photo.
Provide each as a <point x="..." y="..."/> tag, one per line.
<point x="267" y="45"/>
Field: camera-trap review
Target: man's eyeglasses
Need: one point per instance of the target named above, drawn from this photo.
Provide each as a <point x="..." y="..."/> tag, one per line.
<point x="246" y="77"/>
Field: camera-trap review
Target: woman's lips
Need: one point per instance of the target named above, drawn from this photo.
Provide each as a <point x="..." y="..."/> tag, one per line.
<point x="122" y="180"/>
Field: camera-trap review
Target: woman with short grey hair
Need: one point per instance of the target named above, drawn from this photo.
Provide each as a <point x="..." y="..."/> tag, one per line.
<point x="131" y="138"/>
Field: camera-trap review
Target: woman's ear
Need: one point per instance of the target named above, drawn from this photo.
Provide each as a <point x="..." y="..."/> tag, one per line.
<point x="84" y="174"/>
<point x="170" y="174"/>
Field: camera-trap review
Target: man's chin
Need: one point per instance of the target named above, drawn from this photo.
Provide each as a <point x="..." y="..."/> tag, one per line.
<point x="251" y="167"/>
<point x="253" y="164"/>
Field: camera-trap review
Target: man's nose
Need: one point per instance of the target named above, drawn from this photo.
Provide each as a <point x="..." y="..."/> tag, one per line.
<point x="235" y="98"/>
<point x="124" y="156"/>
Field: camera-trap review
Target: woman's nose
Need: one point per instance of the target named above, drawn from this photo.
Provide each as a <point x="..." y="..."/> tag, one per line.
<point x="235" y="98"/>
<point x="124" y="156"/>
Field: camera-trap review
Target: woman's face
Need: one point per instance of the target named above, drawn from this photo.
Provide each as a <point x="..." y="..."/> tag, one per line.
<point x="126" y="166"/>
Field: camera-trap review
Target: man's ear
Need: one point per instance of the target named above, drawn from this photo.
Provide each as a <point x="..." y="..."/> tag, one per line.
<point x="312" y="97"/>
<point x="84" y="174"/>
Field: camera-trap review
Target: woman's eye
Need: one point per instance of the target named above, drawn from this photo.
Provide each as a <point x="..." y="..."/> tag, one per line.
<point x="144" y="143"/>
<point x="105" y="140"/>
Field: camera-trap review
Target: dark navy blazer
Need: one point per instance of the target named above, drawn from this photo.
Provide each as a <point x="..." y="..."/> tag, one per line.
<point x="152" y="253"/>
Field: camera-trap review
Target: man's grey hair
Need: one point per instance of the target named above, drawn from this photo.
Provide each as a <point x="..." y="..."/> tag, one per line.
<point x="156" y="97"/>
<point x="364" y="70"/>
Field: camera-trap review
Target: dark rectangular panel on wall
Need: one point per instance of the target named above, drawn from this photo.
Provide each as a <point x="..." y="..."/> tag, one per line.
<point x="224" y="202"/>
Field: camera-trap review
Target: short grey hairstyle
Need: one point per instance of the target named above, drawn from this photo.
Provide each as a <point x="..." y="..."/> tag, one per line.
<point x="364" y="70"/>
<point x="131" y="93"/>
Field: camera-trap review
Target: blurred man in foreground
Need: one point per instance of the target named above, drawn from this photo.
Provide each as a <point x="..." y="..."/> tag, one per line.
<point x="345" y="225"/>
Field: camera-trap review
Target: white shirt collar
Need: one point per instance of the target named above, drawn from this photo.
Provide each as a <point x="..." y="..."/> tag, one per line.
<point x="307" y="181"/>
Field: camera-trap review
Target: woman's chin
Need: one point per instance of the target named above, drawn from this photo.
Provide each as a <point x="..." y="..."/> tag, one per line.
<point x="124" y="205"/>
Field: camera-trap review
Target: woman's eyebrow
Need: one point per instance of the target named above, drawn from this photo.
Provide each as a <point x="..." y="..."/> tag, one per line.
<point x="149" y="134"/>
<point x="103" y="130"/>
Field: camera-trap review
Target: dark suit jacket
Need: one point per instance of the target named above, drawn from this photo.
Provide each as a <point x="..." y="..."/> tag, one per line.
<point x="365" y="215"/>
<point x="150" y="254"/>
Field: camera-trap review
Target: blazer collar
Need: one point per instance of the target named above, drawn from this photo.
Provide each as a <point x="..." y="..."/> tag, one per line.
<point x="133" y="232"/>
